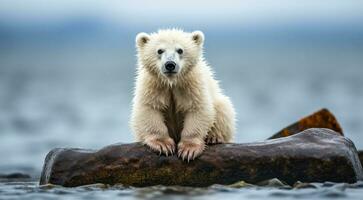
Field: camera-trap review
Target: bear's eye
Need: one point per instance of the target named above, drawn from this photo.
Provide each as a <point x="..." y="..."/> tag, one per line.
<point x="180" y="51"/>
<point x="160" y="51"/>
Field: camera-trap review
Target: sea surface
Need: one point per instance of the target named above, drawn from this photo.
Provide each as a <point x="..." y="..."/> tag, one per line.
<point x="75" y="90"/>
<point x="273" y="190"/>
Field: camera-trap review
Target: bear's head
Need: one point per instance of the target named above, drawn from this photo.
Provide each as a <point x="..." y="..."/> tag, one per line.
<point x="169" y="53"/>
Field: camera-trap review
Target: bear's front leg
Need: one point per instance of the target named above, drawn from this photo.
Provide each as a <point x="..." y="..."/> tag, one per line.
<point x="196" y="126"/>
<point x="148" y="125"/>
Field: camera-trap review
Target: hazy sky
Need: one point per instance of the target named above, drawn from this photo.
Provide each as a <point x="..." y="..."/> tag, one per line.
<point x="186" y="11"/>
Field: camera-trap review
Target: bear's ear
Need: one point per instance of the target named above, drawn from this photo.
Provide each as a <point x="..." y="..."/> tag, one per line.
<point x="198" y="37"/>
<point x="142" y="39"/>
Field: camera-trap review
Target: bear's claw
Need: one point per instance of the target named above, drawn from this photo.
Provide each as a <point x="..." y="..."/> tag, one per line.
<point x="189" y="150"/>
<point x="163" y="145"/>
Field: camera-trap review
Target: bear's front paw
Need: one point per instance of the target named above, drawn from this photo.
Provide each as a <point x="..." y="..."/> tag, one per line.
<point x="163" y="145"/>
<point x="190" y="149"/>
<point x="214" y="139"/>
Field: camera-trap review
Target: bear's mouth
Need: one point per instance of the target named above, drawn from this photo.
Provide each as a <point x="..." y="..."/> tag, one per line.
<point x="170" y="73"/>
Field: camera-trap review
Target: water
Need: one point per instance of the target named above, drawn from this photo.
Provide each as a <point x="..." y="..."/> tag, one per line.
<point x="31" y="190"/>
<point x="76" y="92"/>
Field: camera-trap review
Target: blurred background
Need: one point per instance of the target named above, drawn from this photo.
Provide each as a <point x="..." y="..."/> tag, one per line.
<point x="67" y="67"/>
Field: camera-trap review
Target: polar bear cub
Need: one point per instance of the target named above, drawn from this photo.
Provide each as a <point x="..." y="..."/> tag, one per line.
<point x="178" y="106"/>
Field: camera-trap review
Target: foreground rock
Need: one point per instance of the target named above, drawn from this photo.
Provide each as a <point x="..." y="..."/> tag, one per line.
<point x="314" y="155"/>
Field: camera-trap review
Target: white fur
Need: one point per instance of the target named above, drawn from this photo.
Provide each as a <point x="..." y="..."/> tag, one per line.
<point x="191" y="98"/>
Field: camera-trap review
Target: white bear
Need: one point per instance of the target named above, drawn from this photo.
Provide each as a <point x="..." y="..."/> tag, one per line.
<point x="176" y="99"/>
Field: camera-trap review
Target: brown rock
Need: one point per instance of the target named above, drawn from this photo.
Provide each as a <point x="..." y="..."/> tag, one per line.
<point x="15" y="175"/>
<point x="321" y="119"/>
<point x="314" y="155"/>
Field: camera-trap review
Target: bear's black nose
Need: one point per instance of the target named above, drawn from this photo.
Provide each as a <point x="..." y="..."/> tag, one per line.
<point x="170" y="66"/>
